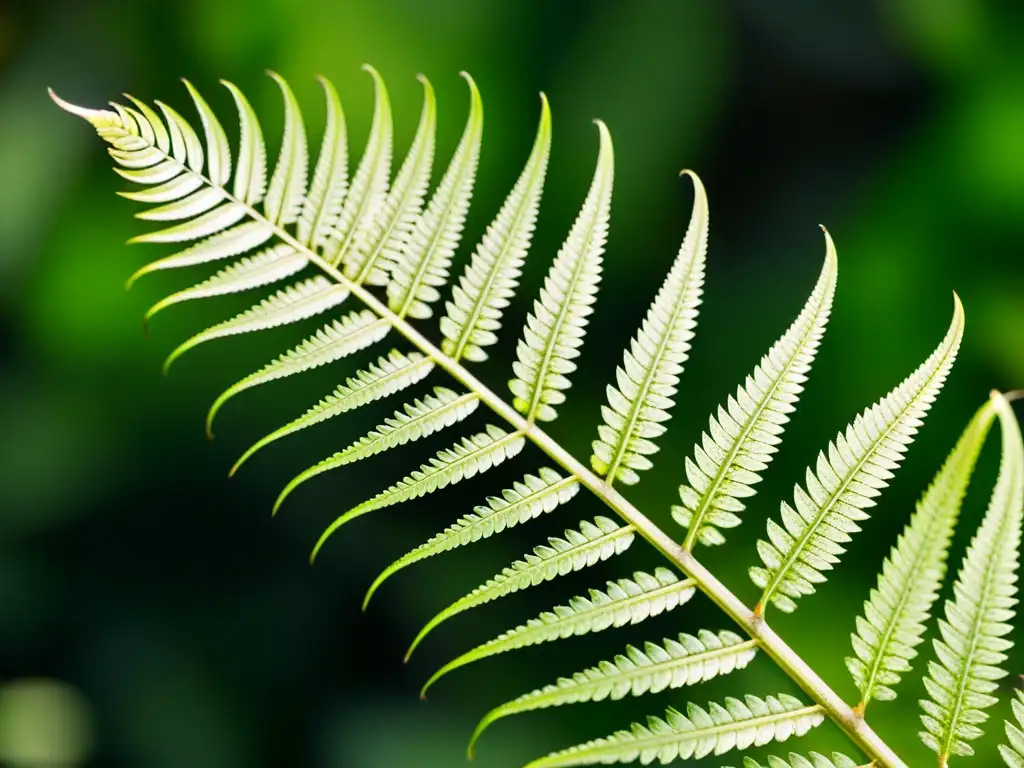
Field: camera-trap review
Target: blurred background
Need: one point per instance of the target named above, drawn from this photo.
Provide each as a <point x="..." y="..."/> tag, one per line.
<point x="151" y="612"/>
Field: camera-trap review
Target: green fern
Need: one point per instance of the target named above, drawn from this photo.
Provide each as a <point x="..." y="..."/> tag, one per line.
<point x="1013" y="750"/>
<point x="314" y="241"/>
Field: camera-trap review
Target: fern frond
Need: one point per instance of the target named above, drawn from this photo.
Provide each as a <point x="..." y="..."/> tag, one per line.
<point x="814" y="760"/>
<point x="526" y="500"/>
<point x="673" y="664"/>
<point x="894" y="617"/>
<point x="554" y="330"/>
<point x="290" y="305"/>
<point x="857" y="466"/>
<point x="336" y="340"/>
<point x="369" y="186"/>
<point x="417" y="420"/>
<point x="251" y="170"/>
<point x="648" y="378"/>
<point x="1013" y="751"/>
<point x="330" y="176"/>
<point x="963" y="679"/>
<point x="287" y="190"/>
<point x="470" y="456"/>
<point x="738" y="725"/>
<point x="421" y="266"/>
<point x="218" y="153"/>
<point x="483" y="292"/>
<point x="371" y="257"/>
<point x="391" y="373"/>
<point x="591" y="544"/>
<point x="742" y="439"/>
<point x="625" y="601"/>
<point x="231" y="242"/>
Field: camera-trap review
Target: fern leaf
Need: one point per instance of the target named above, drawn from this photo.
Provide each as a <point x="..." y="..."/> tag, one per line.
<point x="218" y="154"/>
<point x="894" y="618"/>
<point x="591" y="544"/>
<point x="251" y="171"/>
<point x="374" y="250"/>
<point x="421" y="266"/>
<point x="527" y="499"/>
<point x="186" y="148"/>
<point x="175" y="189"/>
<point x="197" y="228"/>
<point x="269" y="266"/>
<point x="626" y="601"/>
<point x="287" y="190"/>
<point x="1013" y="751"/>
<point x="483" y="292"/>
<point x="744" y="436"/>
<point x="554" y="330"/>
<point x="718" y="729"/>
<point x="339" y="338"/>
<point x="290" y="305"/>
<point x="673" y="664"/>
<point x="231" y="242"/>
<point x="857" y="466"/>
<point x="370" y="183"/>
<point x="814" y="760"/>
<point x="963" y="679"/>
<point x="648" y="378"/>
<point x="390" y="374"/>
<point x="470" y="456"/>
<point x="187" y="208"/>
<point x="327" y="191"/>
<point x="417" y="420"/>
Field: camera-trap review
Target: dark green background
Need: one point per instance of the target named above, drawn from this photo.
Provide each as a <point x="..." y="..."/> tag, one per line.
<point x="132" y="568"/>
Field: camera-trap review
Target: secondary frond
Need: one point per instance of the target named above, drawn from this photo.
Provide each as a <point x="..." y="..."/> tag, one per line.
<point x="1013" y="751"/>
<point x="963" y="678"/>
<point x="649" y="376"/>
<point x="858" y="464"/>
<point x="526" y="500"/>
<point x="673" y="664"/>
<point x="554" y="330"/>
<point x="625" y="601"/>
<point x="329" y="186"/>
<point x="421" y="266"/>
<point x="470" y="456"/>
<point x="814" y="760"/>
<point x="742" y="439"/>
<point x="391" y="373"/>
<point x="716" y="730"/>
<point x="894" y="617"/>
<point x="591" y="544"/>
<point x="414" y="421"/>
<point x="286" y="192"/>
<point x="483" y="292"/>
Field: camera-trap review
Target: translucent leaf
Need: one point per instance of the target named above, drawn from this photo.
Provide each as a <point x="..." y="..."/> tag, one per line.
<point x="218" y="154"/>
<point x="327" y="191"/>
<point x="814" y="760"/>
<point x="716" y="730"/>
<point x="470" y="456"/>
<point x="846" y="481"/>
<point x="287" y="190"/>
<point x="554" y="330"/>
<point x="489" y="282"/>
<point x="526" y="500"/>
<point x="742" y="439"/>
<point x="962" y="681"/>
<point x="894" y="617"/>
<point x="231" y="242"/>
<point x="647" y="380"/>
<point x="625" y="601"/>
<point x="591" y="544"/>
<point x="421" y="267"/>
<point x="1013" y="751"/>
<point x="251" y="171"/>
<point x="685" y="661"/>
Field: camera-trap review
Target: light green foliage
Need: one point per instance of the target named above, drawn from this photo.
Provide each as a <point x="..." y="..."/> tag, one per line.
<point x="846" y="480"/>
<point x="591" y="544"/>
<point x="962" y="680"/>
<point x="894" y="617"/>
<point x="700" y="732"/>
<point x="468" y="457"/>
<point x="625" y="601"/>
<point x="554" y="330"/>
<point x="483" y="291"/>
<point x="255" y="222"/>
<point x="1013" y="750"/>
<point x="745" y="435"/>
<point x="416" y="420"/>
<point x="647" y="380"/>
<point x="685" y="661"/>
<point x="421" y="266"/>
<point x="524" y="501"/>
